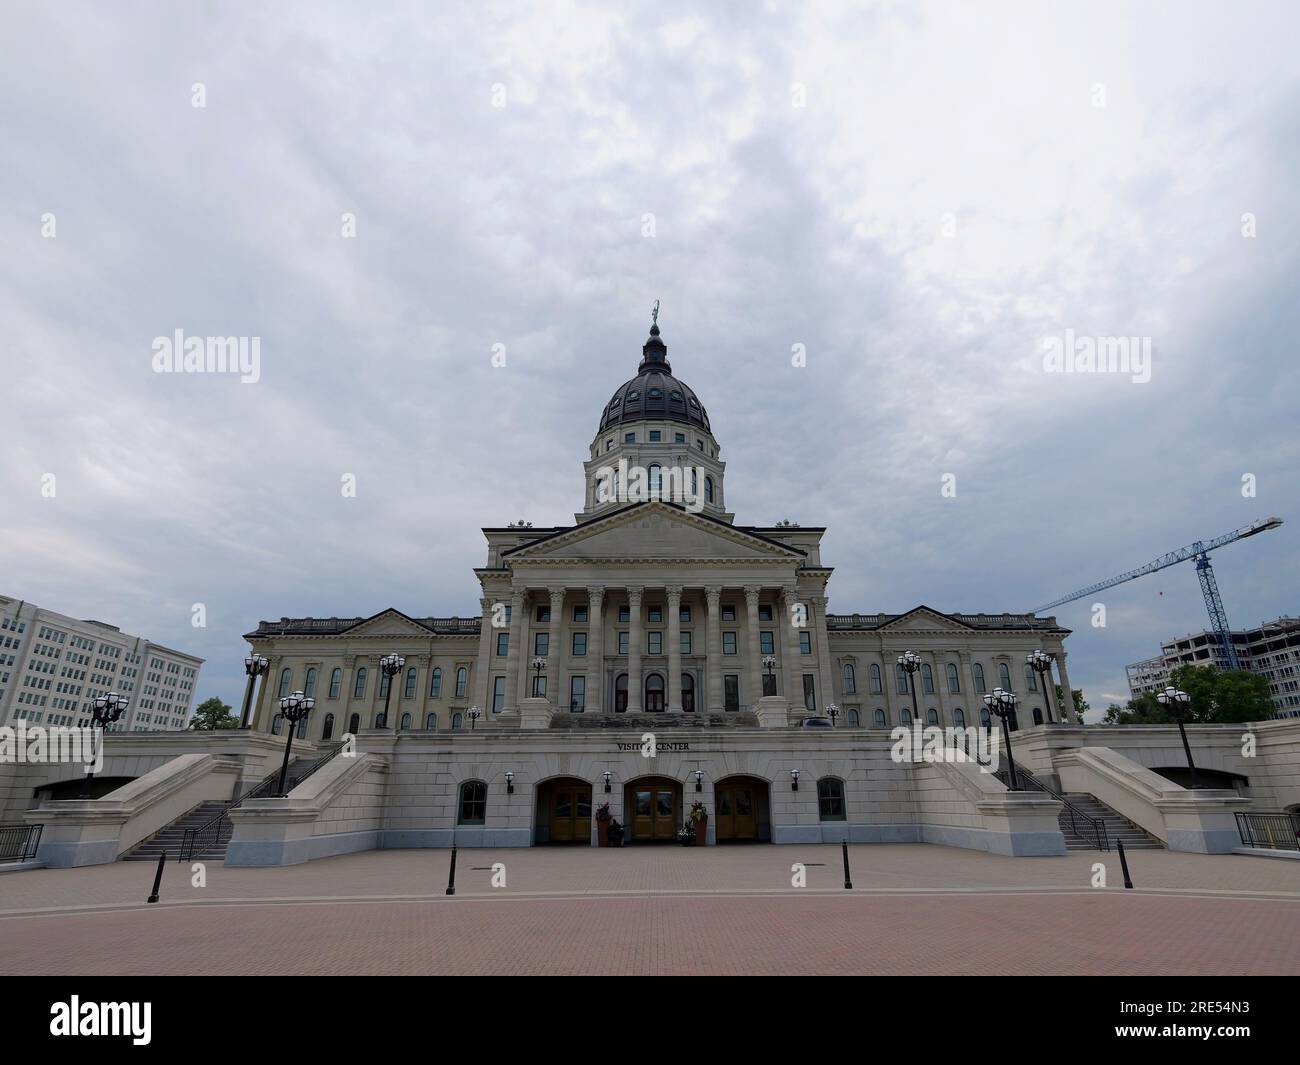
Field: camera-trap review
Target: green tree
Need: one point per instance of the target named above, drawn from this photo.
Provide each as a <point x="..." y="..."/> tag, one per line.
<point x="1080" y="703"/>
<point x="213" y="714"/>
<point x="1217" y="696"/>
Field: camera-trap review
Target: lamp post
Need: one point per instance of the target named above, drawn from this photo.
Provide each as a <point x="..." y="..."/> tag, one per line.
<point x="473" y="713"/>
<point x="769" y="663"/>
<point x="390" y="666"/>
<point x="255" y="666"/>
<point x="911" y="662"/>
<point x="539" y="665"/>
<point x="1179" y="705"/>
<point x="293" y="708"/>
<point x="1003" y="703"/>
<point x="1041" y="663"/>
<point x="106" y="709"/>
<point x="833" y="711"/>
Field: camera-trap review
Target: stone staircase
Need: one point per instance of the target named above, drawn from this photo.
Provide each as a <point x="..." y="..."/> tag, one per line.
<point x="169" y="838"/>
<point x="1118" y="828"/>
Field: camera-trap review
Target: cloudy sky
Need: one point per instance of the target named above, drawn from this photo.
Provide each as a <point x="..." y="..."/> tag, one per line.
<point x="919" y="195"/>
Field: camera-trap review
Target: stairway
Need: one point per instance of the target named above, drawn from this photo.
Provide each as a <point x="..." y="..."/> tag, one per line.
<point x="1118" y="828"/>
<point x="169" y="838"/>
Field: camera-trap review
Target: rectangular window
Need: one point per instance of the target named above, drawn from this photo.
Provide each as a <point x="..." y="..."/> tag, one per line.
<point x="830" y="799"/>
<point x="655" y="615"/>
<point x="579" y="644"/>
<point x="580" y="615"/>
<point x="685" y="643"/>
<point x="728" y="613"/>
<point x="679" y="438"/>
<point x="541" y="644"/>
<point x="577" y="694"/>
<point x="629" y="438"/>
<point x="728" y="643"/>
<point x="544" y="613"/>
<point x="539" y="686"/>
<point x="498" y="694"/>
<point x="503" y="644"/>
<point x="622" y="643"/>
<point x="809" y="692"/>
<point x="765" y="613"/>
<point x="766" y="643"/>
<point x="731" y="691"/>
<point x="684" y="614"/>
<point x="901" y="673"/>
<point x="805" y="642"/>
<point x="624" y="613"/>
<point x="769" y="683"/>
<point x="655" y="436"/>
<point x="655" y="643"/>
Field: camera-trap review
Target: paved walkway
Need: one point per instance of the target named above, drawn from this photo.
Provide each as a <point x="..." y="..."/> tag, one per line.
<point x="913" y="909"/>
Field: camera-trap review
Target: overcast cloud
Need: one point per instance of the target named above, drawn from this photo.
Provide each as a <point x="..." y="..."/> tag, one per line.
<point x="775" y="224"/>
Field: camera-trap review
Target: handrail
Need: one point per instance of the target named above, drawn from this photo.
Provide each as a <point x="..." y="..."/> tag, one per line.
<point x="209" y="833"/>
<point x="1095" y="826"/>
<point x="1272" y="831"/>
<point x="18" y="841"/>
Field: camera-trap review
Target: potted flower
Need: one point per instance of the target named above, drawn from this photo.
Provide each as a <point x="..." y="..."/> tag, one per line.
<point x="699" y="821"/>
<point x="686" y="835"/>
<point x="603" y="817"/>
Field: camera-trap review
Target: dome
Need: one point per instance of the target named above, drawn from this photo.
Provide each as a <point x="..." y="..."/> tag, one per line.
<point x="654" y="394"/>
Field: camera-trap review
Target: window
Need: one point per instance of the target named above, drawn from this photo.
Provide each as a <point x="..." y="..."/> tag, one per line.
<point x="622" y="643"/>
<point x="629" y="438"/>
<point x="855" y="718"/>
<point x="1004" y="675"/>
<point x="541" y="644"/>
<point x="406" y="721"/>
<point x="435" y="685"/>
<point x="809" y="692"/>
<point x="336" y="683"/>
<point x="655" y="615"/>
<point x="805" y="642"/>
<point x="354" y="724"/>
<point x="932" y="716"/>
<point x="384" y="683"/>
<point x="654" y="693"/>
<point x="620" y="694"/>
<point x="850" y="679"/>
<point x="1038" y="716"/>
<point x="878" y="718"/>
<point x="708" y="489"/>
<point x="766" y="643"/>
<point x="579" y="644"/>
<point x="498" y="694"/>
<point x="624" y="613"/>
<point x="765" y="613"/>
<point x="457" y="722"/>
<point x="655" y="481"/>
<point x="688" y="693"/>
<point x="985" y="719"/>
<point x="286" y="676"/>
<point x="544" y="614"/>
<point x="830" y="799"/>
<point x="309" y="687"/>
<point x="954" y="685"/>
<point x="503" y="644"/>
<point x="907" y="718"/>
<point x="679" y="438"/>
<point x="328" y="730"/>
<point x="769" y="683"/>
<point x="580" y="615"/>
<point x="473" y="802"/>
<point x="876" y="686"/>
<point x="277" y="723"/>
<point x="728" y="613"/>
<point x="728" y="643"/>
<point x="430" y="722"/>
<point x="655" y="643"/>
<point x="927" y="678"/>
<point x="684" y="614"/>
<point x="979" y="678"/>
<point x="959" y="718"/>
<point x="539" y="685"/>
<point x="577" y="694"/>
<point x="655" y="434"/>
<point x="731" y="691"/>
<point x="684" y="643"/>
<point x="410" y="684"/>
<point x="462" y="676"/>
<point x="1031" y="681"/>
<point x="359" y="688"/>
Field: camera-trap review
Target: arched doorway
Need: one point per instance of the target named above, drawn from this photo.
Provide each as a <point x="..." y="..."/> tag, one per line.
<point x="563" y="812"/>
<point x="742" y="810"/>
<point x="652" y="810"/>
<point x="654" y="693"/>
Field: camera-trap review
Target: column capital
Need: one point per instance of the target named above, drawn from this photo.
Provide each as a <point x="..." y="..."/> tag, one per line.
<point x="557" y="593"/>
<point x="673" y="591"/>
<point x="789" y="593"/>
<point x="517" y="595"/>
<point x="595" y="592"/>
<point x="751" y="594"/>
<point x="713" y="593"/>
<point x="634" y="593"/>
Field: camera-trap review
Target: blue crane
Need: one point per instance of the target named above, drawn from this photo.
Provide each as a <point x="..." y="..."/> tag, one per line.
<point x="1209" y="587"/>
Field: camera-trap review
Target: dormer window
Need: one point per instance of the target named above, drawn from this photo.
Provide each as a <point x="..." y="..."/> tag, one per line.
<point x="675" y="396"/>
<point x="632" y="397"/>
<point x="694" y="402"/>
<point x="655" y="393"/>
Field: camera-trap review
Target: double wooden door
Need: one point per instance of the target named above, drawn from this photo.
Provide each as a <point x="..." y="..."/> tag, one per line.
<point x="737" y="810"/>
<point x="654" y="812"/>
<point x="571" y="813"/>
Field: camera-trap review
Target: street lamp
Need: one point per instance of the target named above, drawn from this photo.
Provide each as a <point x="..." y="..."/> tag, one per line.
<point x="293" y="708"/>
<point x="106" y="709"/>
<point x="794" y="780"/>
<point x="390" y="666"/>
<point x="834" y="712"/>
<point x="699" y="780"/>
<point x="539" y="664"/>
<point x="1003" y="703"/>
<point x="911" y="662"/>
<point x="510" y="782"/>
<point x="255" y="666"/>
<point x="607" y="775"/>
<point x="1179" y="705"/>
<point x="769" y="663"/>
<point x="1041" y="663"/>
<point x="473" y="713"/>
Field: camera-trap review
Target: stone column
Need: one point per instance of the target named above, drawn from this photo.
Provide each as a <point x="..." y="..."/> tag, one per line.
<point x="791" y="672"/>
<point x="1067" y="695"/>
<point x="595" y="649"/>
<point x="554" y="649"/>
<point x="826" y="669"/>
<point x="518" y="601"/>
<point x="754" y="674"/>
<point x="714" y="597"/>
<point x="674" y="648"/>
<point x="634" y="637"/>
<point x="487" y="645"/>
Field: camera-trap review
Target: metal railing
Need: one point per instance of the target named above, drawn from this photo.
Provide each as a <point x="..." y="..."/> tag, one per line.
<point x="210" y="834"/>
<point x="18" y="842"/>
<point x="1080" y="823"/>
<point x="1271" y="831"/>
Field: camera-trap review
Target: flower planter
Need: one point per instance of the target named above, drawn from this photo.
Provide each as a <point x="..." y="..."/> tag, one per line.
<point x="701" y="833"/>
<point x="602" y="833"/>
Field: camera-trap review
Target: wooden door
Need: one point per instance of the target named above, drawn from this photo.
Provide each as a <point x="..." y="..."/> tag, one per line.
<point x="654" y="813"/>
<point x="736" y="809"/>
<point x="571" y="814"/>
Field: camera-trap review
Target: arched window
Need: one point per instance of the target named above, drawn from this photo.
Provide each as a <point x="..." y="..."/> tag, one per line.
<point x="907" y="718"/>
<point x="359" y="689"/>
<point x="385" y="682"/>
<point x="620" y="694"/>
<point x="406" y="721"/>
<point x="462" y="676"/>
<point x="615" y="484"/>
<point x="277" y="723"/>
<point x="985" y="720"/>
<point x="695" y="484"/>
<point x="430" y="722"/>
<point x="336" y="683"/>
<point x="850" y="679"/>
<point x="954" y="685"/>
<point x="875" y="678"/>
<point x="932" y="716"/>
<point x="354" y="724"/>
<point x="286" y="675"/>
<point x="830" y="799"/>
<point x="309" y="688"/>
<point x="688" y="693"/>
<point x="656" y="480"/>
<point x="410" y="684"/>
<point x="927" y="678"/>
<point x="708" y="489"/>
<point x="435" y="685"/>
<point x="301" y="732"/>
<point x="328" y="730"/>
<point x="878" y="718"/>
<point x="1031" y="680"/>
<point x="457" y="722"/>
<point x="1004" y="675"/>
<point x="979" y="678"/>
<point x="855" y="718"/>
<point x="654" y="693"/>
<point x="1038" y="716"/>
<point x="959" y="718"/>
<point x="473" y="803"/>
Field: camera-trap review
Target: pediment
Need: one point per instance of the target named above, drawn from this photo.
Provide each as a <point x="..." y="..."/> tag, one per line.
<point x="388" y="623"/>
<point x="655" y="531"/>
<point x="922" y="619"/>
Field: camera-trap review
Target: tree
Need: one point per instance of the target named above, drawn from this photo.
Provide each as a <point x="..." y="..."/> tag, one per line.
<point x="1080" y="703"/>
<point x="212" y="714"/>
<point x="1217" y="696"/>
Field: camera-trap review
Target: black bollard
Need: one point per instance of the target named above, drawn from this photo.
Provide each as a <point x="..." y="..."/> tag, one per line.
<point x="1123" y="864"/>
<point x="451" y="873"/>
<point x="157" y="877"/>
<point x="848" y="884"/>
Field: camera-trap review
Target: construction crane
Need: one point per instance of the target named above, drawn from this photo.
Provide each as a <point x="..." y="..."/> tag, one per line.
<point x="1209" y="587"/>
